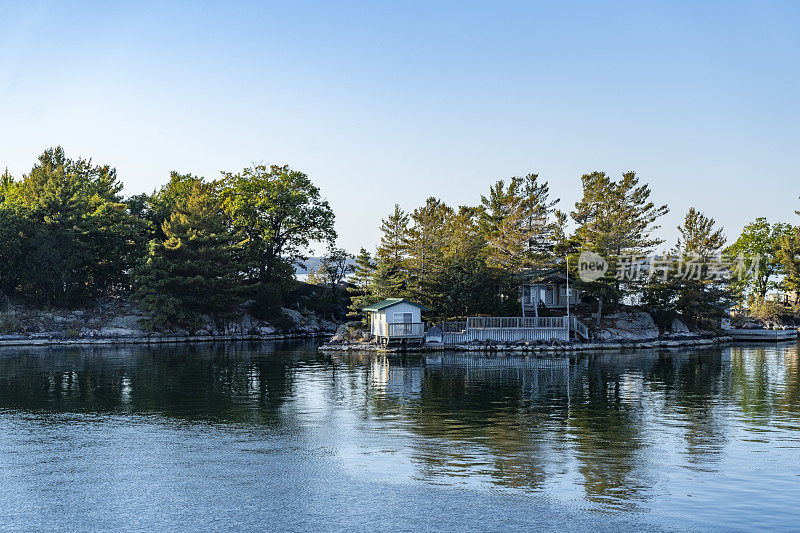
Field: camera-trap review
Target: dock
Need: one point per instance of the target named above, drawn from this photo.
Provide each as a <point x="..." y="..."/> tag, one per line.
<point x="762" y="334"/>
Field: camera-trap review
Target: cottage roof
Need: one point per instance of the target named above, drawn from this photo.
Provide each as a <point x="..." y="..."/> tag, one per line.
<point x="392" y="301"/>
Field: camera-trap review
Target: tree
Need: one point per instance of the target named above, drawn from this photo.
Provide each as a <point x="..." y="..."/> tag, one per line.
<point x="690" y="289"/>
<point x="698" y="236"/>
<point x="361" y="288"/>
<point x="391" y="277"/>
<point x="334" y="268"/>
<point x="425" y="244"/>
<point x="281" y="212"/>
<point x="468" y="285"/>
<point x="615" y="218"/>
<point x="7" y="182"/>
<point x="701" y="300"/>
<point x="84" y="241"/>
<point x="16" y="230"/>
<point x="759" y="244"/>
<point x="194" y="273"/>
<point x="519" y="225"/>
<point x="790" y="261"/>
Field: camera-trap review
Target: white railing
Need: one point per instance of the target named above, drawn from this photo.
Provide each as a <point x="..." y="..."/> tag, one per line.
<point x="404" y="329"/>
<point x="512" y="329"/>
<point x="516" y="322"/>
<point x="579" y="327"/>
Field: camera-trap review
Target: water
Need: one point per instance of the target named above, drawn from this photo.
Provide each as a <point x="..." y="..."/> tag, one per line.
<point x="277" y="436"/>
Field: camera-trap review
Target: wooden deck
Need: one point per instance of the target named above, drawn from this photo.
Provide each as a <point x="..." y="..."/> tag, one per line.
<point x="512" y="329"/>
<point x="402" y="332"/>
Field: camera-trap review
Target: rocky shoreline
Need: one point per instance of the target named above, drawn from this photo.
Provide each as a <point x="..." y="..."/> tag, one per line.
<point x="120" y="322"/>
<point x="675" y="342"/>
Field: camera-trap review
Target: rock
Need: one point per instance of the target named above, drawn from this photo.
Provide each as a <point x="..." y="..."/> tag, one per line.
<point x="118" y="332"/>
<point x="678" y="326"/>
<point x="631" y="325"/>
<point x="127" y="322"/>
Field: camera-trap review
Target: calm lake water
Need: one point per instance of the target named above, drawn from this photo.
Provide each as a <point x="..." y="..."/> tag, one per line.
<point x="277" y="436"/>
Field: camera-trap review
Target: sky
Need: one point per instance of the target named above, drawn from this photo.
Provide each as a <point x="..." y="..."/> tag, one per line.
<point x="393" y="102"/>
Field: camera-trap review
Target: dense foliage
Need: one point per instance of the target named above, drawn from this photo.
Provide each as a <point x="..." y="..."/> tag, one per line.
<point x="194" y="250"/>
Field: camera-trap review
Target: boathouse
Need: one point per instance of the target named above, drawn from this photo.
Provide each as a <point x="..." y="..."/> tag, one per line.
<point x="396" y="320"/>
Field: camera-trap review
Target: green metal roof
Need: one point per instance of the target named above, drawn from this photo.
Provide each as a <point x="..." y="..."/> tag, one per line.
<point x="390" y="302"/>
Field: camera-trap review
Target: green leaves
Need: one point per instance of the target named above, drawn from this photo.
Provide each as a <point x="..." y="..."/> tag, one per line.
<point x="281" y="212"/>
<point x="763" y="240"/>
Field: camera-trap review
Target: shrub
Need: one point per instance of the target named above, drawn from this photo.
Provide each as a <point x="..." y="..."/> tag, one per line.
<point x="10" y="324"/>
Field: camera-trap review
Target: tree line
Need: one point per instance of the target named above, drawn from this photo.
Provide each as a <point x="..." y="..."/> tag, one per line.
<point x="197" y="248"/>
<point x="471" y="260"/>
<point x="194" y="248"/>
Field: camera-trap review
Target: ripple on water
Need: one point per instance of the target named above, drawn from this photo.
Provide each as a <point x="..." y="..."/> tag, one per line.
<point x="239" y="436"/>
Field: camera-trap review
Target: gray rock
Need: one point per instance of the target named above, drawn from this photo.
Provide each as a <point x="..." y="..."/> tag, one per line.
<point x="630" y="325"/>
<point x="678" y="326"/>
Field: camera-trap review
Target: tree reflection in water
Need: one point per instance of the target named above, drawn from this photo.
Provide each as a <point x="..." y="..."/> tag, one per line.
<point x="611" y="425"/>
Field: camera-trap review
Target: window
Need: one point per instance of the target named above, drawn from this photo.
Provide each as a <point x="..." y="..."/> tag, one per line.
<point x="403" y="318"/>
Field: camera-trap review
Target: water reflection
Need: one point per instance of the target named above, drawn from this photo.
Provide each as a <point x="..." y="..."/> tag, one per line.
<point x="612" y="431"/>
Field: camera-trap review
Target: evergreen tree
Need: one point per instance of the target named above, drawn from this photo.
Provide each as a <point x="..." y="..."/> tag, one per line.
<point x="391" y="277"/>
<point x="426" y="241"/>
<point x="193" y="274"/>
<point x="615" y="218"/>
<point x="698" y="236"/>
<point x="84" y="241"/>
<point x="361" y="288"/>
<point x="519" y="224"/>
<point x="520" y="227"/>
<point x="468" y="286"/>
<point x="701" y="300"/>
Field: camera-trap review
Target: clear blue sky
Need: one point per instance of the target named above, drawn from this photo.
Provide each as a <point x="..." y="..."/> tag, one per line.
<point x="392" y="102"/>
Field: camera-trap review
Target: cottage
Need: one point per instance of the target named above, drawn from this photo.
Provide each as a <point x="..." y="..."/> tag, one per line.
<point x="548" y="289"/>
<point x="547" y="298"/>
<point x="396" y="320"/>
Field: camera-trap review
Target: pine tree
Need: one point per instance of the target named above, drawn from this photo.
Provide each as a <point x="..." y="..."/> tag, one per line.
<point x="699" y="298"/>
<point x="520" y="225"/>
<point x="391" y="276"/>
<point x="425" y="247"/>
<point x="361" y="289"/>
<point x="615" y="218"/>
<point x="192" y="274"/>
<point x="698" y="236"/>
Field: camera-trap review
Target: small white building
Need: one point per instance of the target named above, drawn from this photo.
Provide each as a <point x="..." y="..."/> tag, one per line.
<point x="396" y="320"/>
